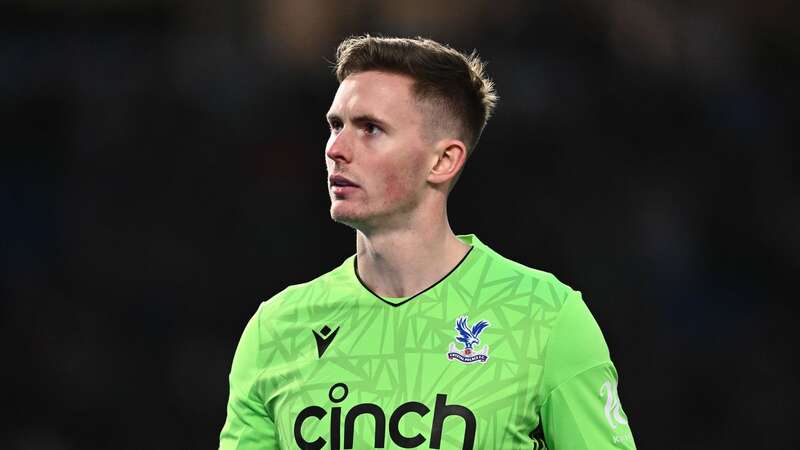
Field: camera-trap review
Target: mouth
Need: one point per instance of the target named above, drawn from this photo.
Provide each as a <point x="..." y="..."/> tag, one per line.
<point x="341" y="187"/>
<point x="338" y="181"/>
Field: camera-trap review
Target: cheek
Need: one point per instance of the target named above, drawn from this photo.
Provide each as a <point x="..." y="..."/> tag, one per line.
<point x="395" y="188"/>
<point x="399" y="184"/>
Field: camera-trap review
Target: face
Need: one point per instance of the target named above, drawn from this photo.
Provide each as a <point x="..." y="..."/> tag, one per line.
<point x="377" y="156"/>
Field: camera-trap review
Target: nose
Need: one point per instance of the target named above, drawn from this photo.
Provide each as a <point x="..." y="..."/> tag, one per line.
<point x="338" y="148"/>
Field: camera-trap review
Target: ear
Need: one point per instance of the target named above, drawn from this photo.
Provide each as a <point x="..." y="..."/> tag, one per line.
<point x="450" y="157"/>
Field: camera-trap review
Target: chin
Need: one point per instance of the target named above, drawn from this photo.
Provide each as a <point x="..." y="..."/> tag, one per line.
<point x="343" y="216"/>
<point x="353" y="218"/>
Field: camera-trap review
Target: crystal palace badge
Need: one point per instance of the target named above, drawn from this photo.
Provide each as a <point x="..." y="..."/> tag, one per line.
<point x="469" y="338"/>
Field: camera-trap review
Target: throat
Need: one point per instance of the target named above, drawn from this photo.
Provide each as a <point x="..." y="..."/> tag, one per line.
<point x="394" y="269"/>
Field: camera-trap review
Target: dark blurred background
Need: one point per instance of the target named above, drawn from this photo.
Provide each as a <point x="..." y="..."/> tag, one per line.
<point x="163" y="172"/>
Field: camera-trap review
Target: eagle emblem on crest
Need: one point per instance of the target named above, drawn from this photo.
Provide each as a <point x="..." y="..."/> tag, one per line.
<point x="468" y="337"/>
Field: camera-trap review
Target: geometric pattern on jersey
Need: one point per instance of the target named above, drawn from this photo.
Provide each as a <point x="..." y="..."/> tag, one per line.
<point x="385" y="356"/>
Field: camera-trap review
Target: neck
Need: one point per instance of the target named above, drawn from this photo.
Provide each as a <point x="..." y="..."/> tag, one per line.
<point x="405" y="261"/>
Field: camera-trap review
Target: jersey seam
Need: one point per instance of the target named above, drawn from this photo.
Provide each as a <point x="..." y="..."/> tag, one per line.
<point x="263" y="370"/>
<point x="550" y="340"/>
<point x="600" y="364"/>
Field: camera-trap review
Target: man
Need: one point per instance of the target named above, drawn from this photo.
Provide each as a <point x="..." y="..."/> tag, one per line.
<point x="422" y="339"/>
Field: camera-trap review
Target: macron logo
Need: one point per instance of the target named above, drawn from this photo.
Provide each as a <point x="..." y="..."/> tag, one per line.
<point x="324" y="338"/>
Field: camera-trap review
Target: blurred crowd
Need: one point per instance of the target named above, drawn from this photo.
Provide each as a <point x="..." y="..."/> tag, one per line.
<point x="162" y="173"/>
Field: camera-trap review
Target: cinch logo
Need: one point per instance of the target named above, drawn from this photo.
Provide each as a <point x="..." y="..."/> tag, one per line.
<point x="338" y="393"/>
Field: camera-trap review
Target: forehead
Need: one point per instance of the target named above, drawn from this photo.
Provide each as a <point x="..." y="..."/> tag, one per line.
<point x="385" y="94"/>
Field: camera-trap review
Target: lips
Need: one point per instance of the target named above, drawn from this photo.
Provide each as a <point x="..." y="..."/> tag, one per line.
<point x="341" y="181"/>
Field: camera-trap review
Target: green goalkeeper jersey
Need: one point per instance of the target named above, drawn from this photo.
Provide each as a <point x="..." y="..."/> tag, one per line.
<point x="494" y="356"/>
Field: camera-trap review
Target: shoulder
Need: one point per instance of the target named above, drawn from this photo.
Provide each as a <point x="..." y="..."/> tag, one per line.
<point x="307" y="293"/>
<point x="545" y="287"/>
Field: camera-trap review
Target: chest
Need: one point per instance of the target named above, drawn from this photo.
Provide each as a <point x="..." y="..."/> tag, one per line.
<point x="416" y="378"/>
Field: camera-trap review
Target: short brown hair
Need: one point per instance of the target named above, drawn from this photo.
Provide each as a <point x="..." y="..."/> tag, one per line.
<point x="446" y="77"/>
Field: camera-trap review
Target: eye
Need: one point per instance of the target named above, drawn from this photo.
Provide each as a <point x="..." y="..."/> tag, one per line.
<point x="335" y="125"/>
<point x="370" y="129"/>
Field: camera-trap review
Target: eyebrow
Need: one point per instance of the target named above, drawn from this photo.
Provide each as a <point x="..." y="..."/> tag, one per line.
<point x="361" y="118"/>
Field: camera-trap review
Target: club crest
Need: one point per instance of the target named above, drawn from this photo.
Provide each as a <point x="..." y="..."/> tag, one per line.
<point x="468" y="337"/>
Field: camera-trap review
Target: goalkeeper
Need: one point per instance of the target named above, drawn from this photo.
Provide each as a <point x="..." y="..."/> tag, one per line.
<point x="422" y="338"/>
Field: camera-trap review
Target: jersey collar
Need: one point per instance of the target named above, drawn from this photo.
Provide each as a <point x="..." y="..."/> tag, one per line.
<point x="469" y="239"/>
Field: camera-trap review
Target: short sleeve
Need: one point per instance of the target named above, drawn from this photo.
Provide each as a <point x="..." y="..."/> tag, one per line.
<point x="581" y="408"/>
<point x="247" y="426"/>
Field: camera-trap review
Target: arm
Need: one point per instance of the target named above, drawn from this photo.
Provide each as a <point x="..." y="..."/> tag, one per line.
<point x="248" y="426"/>
<point x="581" y="408"/>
